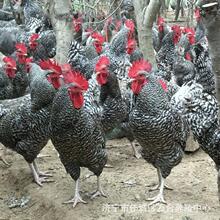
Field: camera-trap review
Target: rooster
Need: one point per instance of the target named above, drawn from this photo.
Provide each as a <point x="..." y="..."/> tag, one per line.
<point x="80" y="138"/>
<point x="158" y="129"/>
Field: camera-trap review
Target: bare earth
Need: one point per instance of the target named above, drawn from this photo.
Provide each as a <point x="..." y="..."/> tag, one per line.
<point x="127" y="186"/>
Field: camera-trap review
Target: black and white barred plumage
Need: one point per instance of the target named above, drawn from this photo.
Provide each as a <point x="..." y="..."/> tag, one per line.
<point x="203" y="64"/>
<point x="200" y="110"/>
<point x="24" y="131"/>
<point x="157" y="128"/>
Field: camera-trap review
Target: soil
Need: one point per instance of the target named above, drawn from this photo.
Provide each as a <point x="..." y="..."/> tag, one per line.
<point x="127" y="184"/>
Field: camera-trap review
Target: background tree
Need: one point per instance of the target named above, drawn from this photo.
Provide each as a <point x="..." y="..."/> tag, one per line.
<point x="60" y="13"/>
<point x="146" y="13"/>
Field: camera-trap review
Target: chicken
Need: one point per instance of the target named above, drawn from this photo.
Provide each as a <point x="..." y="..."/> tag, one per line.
<point x="80" y="138"/>
<point x="183" y="68"/>
<point x="14" y="80"/>
<point x="200" y="110"/>
<point x="157" y="128"/>
<point x="33" y="13"/>
<point x="166" y="55"/>
<point x="26" y="133"/>
<point x="204" y="71"/>
<point x="193" y="61"/>
<point x="159" y="30"/>
<point x="42" y="46"/>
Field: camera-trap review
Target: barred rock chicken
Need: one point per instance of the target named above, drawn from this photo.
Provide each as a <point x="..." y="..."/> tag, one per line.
<point x="40" y="77"/>
<point x="80" y="60"/>
<point x="26" y="133"/>
<point x="80" y="138"/>
<point x="203" y="64"/>
<point x="157" y="128"/>
<point x="200" y="110"/>
<point x="45" y="44"/>
<point x="159" y="30"/>
<point x="193" y="61"/>
<point x="183" y="67"/>
<point x="42" y="46"/>
<point x="34" y="16"/>
<point x="14" y="80"/>
<point x="166" y="55"/>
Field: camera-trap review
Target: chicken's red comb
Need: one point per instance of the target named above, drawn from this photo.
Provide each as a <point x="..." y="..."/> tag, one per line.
<point x="188" y="30"/>
<point x="103" y="60"/>
<point x="77" y="78"/>
<point x="191" y="35"/>
<point x="160" y="20"/>
<point x="131" y="42"/>
<point x="98" y="37"/>
<point x="21" y="48"/>
<point x="137" y="66"/>
<point x="130" y="25"/>
<point x="176" y="28"/>
<point x="34" y="37"/>
<point x="50" y="65"/>
<point x="29" y="60"/>
<point x="9" y="60"/>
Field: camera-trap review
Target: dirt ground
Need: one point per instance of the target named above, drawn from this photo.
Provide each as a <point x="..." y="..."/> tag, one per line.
<point x="127" y="186"/>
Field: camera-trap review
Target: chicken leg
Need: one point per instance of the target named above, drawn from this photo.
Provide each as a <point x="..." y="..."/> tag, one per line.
<point x="159" y="198"/>
<point x="158" y="185"/>
<point x="77" y="198"/>
<point x="38" y="177"/>
<point x="40" y="173"/>
<point x="135" y="151"/>
<point x="3" y="160"/>
<point x="99" y="191"/>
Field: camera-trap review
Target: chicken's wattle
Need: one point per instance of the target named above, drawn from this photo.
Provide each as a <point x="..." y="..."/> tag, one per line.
<point x="11" y="73"/>
<point x="33" y="45"/>
<point x="102" y="78"/>
<point x="137" y="85"/>
<point x="21" y="58"/>
<point x="98" y="47"/>
<point x="54" y="79"/>
<point x="76" y="98"/>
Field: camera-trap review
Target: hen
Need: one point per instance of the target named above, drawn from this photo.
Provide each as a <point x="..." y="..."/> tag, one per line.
<point x="25" y="132"/>
<point x="200" y="110"/>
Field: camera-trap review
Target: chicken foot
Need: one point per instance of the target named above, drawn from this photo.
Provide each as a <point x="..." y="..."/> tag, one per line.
<point x="77" y="198"/>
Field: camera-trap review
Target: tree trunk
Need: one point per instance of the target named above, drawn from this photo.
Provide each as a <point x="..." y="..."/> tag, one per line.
<point x="145" y="19"/>
<point x="61" y="18"/>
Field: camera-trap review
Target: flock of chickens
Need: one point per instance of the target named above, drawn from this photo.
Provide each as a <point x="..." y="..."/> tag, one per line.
<point x="105" y="85"/>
